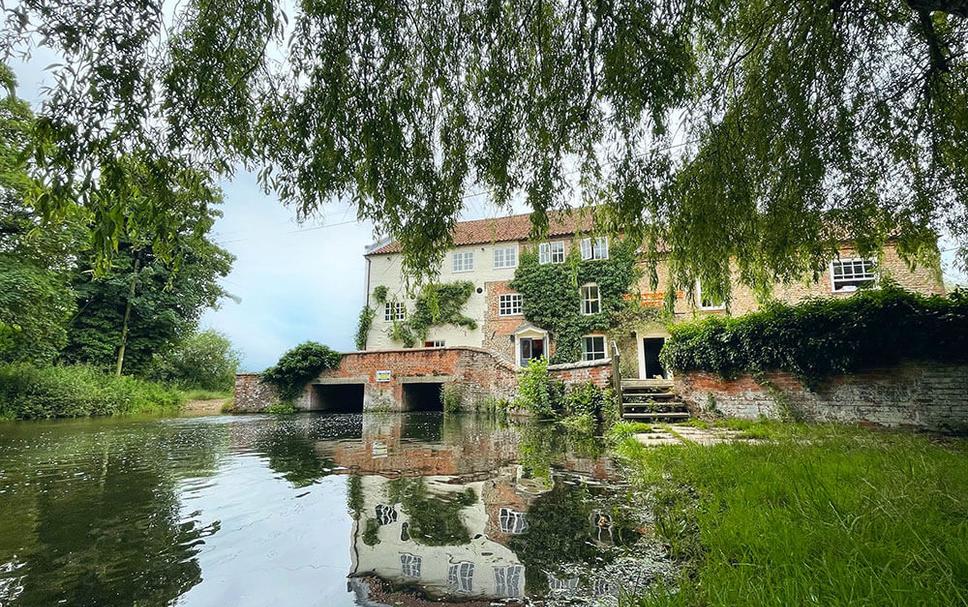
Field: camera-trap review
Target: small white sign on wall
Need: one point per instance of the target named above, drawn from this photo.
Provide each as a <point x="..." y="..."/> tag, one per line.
<point x="384" y="375"/>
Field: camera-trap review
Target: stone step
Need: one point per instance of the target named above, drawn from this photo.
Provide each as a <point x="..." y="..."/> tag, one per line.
<point x="650" y="395"/>
<point x="668" y="416"/>
<point x="666" y="406"/>
<point x="631" y="384"/>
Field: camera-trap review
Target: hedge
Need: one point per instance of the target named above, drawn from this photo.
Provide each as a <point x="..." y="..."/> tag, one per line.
<point x="822" y="337"/>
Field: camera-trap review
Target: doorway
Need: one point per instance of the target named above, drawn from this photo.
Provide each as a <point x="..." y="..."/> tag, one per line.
<point x="651" y="346"/>
<point x="530" y="348"/>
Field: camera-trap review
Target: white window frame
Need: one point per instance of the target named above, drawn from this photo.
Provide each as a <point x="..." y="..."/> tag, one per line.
<point x="549" y="251"/>
<point x="699" y="303"/>
<point x="510" y="304"/>
<point x="586" y="301"/>
<point x="594" y="248"/>
<point x="507" y="580"/>
<point x="410" y="565"/>
<point x="435" y="343"/>
<point x="462" y="261"/>
<point x="394" y="311"/>
<point x="460" y="576"/>
<point x="870" y="276"/>
<point x="506" y="257"/>
<point x="585" y="352"/>
<point x="385" y="514"/>
<point x="511" y="521"/>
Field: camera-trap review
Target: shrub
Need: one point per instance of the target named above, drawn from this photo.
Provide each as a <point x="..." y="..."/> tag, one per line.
<point x="202" y="361"/>
<point x="537" y="392"/>
<point x="29" y="392"/>
<point x="588" y="399"/>
<point x="821" y="337"/>
<point x="280" y="409"/>
<point x="298" y="366"/>
<point x="452" y="398"/>
<point x="363" y="326"/>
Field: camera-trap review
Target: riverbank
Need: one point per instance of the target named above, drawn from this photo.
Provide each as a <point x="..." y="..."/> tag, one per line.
<point x="29" y="392"/>
<point x="809" y="514"/>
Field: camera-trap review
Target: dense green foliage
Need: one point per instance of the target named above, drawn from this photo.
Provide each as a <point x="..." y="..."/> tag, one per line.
<point x="820" y="515"/>
<point x="547" y="398"/>
<point x="29" y="392"/>
<point x="435" y="305"/>
<point x="363" y="325"/>
<point x="818" y="337"/>
<point x="36" y="302"/>
<point x="202" y="361"/>
<point x="452" y="398"/>
<point x="718" y="129"/>
<point x="167" y="300"/>
<point x="299" y="365"/>
<point x="552" y="294"/>
<point x="434" y="519"/>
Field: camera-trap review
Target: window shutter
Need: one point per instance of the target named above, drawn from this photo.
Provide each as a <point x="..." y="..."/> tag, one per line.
<point x="586" y="248"/>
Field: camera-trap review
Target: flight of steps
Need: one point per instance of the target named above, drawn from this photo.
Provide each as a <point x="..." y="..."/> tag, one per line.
<point x="652" y="400"/>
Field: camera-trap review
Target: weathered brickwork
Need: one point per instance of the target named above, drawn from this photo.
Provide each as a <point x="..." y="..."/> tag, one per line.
<point x="253" y="396"/>
<point x="598" y="372"/>
<point x="922" y="279"/>
<point x="499" y="329"/>
<point x="932" y="397"/>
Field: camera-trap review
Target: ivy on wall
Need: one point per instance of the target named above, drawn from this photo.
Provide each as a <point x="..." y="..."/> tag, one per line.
<point x="436" y="305"/>
<point x="552" y="295"/>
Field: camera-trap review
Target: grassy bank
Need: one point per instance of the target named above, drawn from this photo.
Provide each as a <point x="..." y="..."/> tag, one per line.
<point x="816" y="515"/>
<point x="29" y="392"/>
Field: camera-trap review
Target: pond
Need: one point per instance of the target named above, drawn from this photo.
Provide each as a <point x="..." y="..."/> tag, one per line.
<point x="315" y="510"/>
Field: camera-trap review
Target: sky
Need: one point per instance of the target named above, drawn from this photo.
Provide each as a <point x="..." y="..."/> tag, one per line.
<point x="291" y="283"/>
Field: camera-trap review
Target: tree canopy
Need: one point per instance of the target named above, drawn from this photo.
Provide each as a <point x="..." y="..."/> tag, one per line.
<point x="755" y="130"/>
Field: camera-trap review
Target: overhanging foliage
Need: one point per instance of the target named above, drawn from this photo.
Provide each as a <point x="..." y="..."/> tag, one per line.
<point x="760" y="131"/>
<point x="819" y="337"/>
<point x="298" y="366"/>
<point x="552" y="295"/>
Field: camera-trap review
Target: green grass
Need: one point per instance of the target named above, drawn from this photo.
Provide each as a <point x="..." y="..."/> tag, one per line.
<point x="29" y="392"/>
<point x="199" y="394"/>
<point x="280" y="409"/>
<point x="819" y="515"/>
<point x="623" y="430"/>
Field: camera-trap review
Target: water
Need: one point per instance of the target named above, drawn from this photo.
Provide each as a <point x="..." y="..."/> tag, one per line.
<point x="327" y="510"/>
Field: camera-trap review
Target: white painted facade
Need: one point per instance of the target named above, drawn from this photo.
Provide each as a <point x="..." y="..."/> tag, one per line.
<point x="387" y="270"/>
<point x="485" y="568"/>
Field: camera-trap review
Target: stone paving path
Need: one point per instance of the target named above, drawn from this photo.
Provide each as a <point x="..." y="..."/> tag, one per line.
<point x="675" y="435"/>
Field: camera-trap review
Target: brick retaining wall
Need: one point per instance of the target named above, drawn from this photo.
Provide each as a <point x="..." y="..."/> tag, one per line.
<point x="927" y="396"/>
<point x="598" y="372"/>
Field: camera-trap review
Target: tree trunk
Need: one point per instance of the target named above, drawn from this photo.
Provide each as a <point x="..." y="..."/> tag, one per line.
<point x="127" y="315"/>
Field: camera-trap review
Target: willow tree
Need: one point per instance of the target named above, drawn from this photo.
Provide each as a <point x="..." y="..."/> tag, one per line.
<point x="757" y="130"/>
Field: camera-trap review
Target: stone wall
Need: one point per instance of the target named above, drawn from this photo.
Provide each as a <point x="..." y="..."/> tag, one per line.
<point x="924" y="395"/>
<point x="598" y="372"/>
<point x="252" y="396"/>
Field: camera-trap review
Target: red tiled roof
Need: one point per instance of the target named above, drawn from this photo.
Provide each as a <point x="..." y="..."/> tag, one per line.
<point x="508" y="229"/>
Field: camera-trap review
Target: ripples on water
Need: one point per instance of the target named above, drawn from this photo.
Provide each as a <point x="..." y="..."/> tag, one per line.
<point x="313" y="510"/>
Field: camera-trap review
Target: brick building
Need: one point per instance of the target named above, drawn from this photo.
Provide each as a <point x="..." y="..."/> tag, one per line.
<point x="486" y="253"/>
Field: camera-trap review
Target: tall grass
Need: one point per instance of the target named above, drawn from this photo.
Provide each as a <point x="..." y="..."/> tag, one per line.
<point x="817" y="516"/>
<point x="29" y="392"/>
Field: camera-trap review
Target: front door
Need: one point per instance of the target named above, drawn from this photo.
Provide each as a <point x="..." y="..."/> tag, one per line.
<point x="531" y="348"/>
<point x="653" y="367"/>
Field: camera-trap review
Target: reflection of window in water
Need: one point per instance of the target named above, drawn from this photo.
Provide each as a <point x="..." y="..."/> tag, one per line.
<point x="565" y="585"/>
<point x="508" y="580"/>
<point x="379" y="449"/>
<point x="603" y="587"/>
<point x="410" y="565"/>
<point x="385" y="514"/>
<point x="460" y="575"/>
<point x="512" y="521"/>
<point x="405" y="532"/>
<point x="603" y="526"/>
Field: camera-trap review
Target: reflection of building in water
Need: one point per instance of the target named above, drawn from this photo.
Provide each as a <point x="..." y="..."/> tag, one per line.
<point x="477" y="567"/>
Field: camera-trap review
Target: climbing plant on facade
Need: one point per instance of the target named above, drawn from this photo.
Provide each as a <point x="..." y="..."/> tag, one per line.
<point x="436" y="305"/>
<point x="552" y="294"/>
